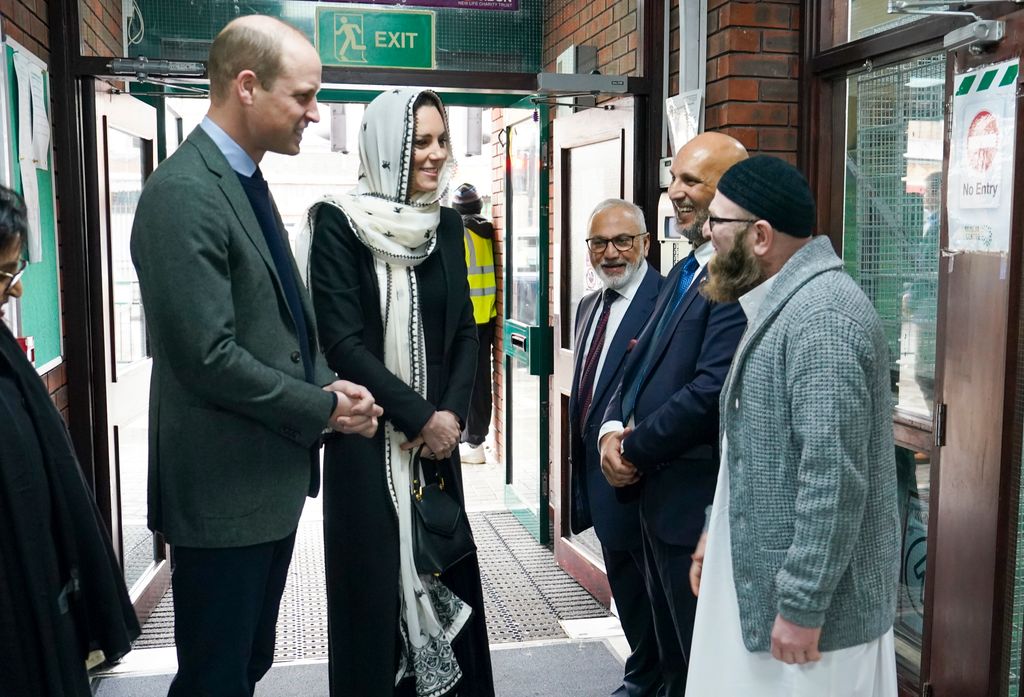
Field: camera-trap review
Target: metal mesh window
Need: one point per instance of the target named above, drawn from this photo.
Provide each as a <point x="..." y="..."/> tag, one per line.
<point x="892" y="212"/>
<point x="466" y="39"/>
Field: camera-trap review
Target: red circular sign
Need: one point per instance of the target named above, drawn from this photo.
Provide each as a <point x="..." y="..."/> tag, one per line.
<point x="982" y="141"/>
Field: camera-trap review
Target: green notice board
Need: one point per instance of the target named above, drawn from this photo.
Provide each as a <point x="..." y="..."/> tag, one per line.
<point x="354" y="37"/>
<point x="39" y="308"/>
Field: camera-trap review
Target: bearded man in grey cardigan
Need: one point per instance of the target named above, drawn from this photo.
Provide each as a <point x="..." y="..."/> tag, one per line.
<point x="796" y="574"/>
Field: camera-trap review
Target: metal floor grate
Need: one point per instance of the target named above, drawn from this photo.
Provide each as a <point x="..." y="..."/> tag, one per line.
<point x="526" y="594"/>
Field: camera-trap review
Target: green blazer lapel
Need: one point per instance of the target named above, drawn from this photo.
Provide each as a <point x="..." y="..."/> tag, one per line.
<point x="235" y="195"/>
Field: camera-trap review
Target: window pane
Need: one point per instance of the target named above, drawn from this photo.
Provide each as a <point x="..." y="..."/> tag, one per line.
<point x="125" y="158"/>
<point x="525" y="217"/>
<point x="892" y="212"/>
<point x="912" y="479"/>
<point x="591" y="180"/>
<point x="869" y="17"/>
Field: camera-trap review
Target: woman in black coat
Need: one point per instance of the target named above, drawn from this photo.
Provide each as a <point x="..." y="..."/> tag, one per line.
<point x="387" y="273"/>
<point x="61" y="590"/>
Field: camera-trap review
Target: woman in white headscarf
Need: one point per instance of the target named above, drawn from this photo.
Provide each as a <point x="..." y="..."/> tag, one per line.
<point x="387" y="273"/>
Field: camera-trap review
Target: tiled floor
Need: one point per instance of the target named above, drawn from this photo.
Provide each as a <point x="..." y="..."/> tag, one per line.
<point x="485" y="484"/>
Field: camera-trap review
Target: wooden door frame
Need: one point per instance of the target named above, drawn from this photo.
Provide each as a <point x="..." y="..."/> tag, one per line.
<point x="972" y="519"/>
<point x="975" y="508"/>
<point x="587" y="127"/>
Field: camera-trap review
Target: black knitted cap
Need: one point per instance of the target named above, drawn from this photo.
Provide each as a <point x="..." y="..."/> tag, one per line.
<point x="773" y="190"/>
<point x="466" y="193"/>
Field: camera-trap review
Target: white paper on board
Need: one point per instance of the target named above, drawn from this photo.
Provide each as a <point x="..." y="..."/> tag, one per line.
<point x="26" y="163"/>
<point x="40" y="118"/>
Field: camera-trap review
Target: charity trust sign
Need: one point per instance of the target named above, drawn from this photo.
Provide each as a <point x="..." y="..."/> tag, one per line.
<point x="981" y="158"/>
<point x="352" y="37"/>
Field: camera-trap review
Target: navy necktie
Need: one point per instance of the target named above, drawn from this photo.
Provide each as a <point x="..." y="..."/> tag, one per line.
<point x="594" y="355"/>
<point x="258" y="193"/>
<point x="690" y="267"/>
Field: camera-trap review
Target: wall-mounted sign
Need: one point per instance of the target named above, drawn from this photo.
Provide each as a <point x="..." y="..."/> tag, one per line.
<point x="510" y="5"/>
<point x="353" y="37"/>
<point x="981" y="158"/>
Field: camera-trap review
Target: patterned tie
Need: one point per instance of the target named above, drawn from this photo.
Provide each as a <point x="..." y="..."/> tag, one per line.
<point x="593" y="355"/>
<point x="690" y="267"/>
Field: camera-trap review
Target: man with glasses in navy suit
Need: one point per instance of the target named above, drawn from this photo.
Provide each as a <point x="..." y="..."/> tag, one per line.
<point x="607" y="324"/>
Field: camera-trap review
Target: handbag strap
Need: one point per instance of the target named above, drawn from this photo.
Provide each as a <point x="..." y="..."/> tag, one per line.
<point x="422" y="475"/>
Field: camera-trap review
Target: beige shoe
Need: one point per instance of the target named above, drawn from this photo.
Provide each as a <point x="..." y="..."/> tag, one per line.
<point x="472" y="454"/>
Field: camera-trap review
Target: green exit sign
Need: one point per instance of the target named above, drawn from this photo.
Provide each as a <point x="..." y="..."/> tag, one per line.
<point x="356" y="38"/>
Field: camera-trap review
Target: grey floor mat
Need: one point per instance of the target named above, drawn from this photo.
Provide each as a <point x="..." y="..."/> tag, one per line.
<point x="525" y="592"/>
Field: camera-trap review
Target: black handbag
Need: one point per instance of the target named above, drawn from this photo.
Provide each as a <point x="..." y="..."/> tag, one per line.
<point x="441" y="536"/>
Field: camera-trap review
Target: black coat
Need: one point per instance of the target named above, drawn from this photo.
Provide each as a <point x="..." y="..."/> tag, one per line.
<point x="61" y="589"/>
<point x="360" y="526"/>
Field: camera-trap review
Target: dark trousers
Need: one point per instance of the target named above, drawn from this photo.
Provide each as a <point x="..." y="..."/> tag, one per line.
<point x="642" y="674"/>
<point x="225" y="616"/>
<point x="478" y="421"/>
<point x="667" y="569"/>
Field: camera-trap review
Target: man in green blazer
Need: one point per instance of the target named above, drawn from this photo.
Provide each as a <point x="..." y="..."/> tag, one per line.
<point x="240" y="394"/>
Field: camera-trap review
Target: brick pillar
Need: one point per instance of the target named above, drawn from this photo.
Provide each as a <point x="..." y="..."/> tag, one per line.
<point x="753" y="68"/>
<point x="498" y="217"/>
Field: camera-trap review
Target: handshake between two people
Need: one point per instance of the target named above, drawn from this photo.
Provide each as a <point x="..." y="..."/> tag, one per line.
<point x="356" y="411"/>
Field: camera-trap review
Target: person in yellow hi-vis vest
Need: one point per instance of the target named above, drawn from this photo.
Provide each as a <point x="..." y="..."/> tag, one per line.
<point x="483" y="291"/>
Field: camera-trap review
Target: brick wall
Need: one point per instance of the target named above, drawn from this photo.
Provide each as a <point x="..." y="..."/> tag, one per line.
<point x="753" y="68"/>
<point x="101" y="27"/>
<point x="610" y="25"/>
<point x="25" y="21"/>
<point x="498" y="217"/>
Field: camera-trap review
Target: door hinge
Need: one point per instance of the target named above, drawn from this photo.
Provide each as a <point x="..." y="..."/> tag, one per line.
<point x="926" y="690"/>
<point x="939" y="425"/>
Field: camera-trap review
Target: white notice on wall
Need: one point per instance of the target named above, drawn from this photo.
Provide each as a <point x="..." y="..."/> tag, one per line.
<point x="26" y="159"/>
<point x="683" y="112"/>
<point x="40" y="120"/>
<point x="981" y="164"/>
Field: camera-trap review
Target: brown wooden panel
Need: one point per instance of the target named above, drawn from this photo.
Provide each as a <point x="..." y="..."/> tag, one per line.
<point x="963" y="561"/>
<point x="968" y="557"/>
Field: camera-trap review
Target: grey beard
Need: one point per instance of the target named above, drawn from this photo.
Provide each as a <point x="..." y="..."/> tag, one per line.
<point x="694" y="233"/>
<point x="620" y="282"/>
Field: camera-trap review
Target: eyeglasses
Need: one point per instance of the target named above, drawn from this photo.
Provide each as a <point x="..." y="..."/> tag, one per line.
<point x="713" y="221"/>
<point x="13" y="278"/>
<point x="623" y="243"/>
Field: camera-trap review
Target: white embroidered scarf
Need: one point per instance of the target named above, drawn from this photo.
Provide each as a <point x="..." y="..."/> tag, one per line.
<point x="400" y="231"/>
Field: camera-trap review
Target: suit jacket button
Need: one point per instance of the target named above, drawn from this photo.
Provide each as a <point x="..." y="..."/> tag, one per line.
<point x="296" y="356"/>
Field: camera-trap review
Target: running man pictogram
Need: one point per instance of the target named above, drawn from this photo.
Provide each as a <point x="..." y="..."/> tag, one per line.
<point x="348" y="27"/>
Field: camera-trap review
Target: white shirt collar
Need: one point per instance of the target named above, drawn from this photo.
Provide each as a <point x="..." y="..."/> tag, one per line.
<point x="703" y="254"/>
<point x="752" y="299"/>
<point x="629" y="290"/>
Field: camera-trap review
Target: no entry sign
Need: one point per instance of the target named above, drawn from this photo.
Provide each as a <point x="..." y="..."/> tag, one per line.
<point x="981" y="163"/>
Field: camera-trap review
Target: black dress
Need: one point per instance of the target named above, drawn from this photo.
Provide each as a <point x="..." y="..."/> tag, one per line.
<point x="360" y="526"/>
<point x="61" y="591"/>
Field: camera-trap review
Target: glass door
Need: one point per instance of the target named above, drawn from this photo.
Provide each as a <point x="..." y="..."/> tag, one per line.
<point x="527" y="335"/>
<point x="126" y="142"/>
<point x="593" y="156"/>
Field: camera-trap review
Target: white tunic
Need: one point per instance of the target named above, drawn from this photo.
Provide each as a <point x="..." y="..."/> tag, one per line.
<point x="721" y="666"/>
